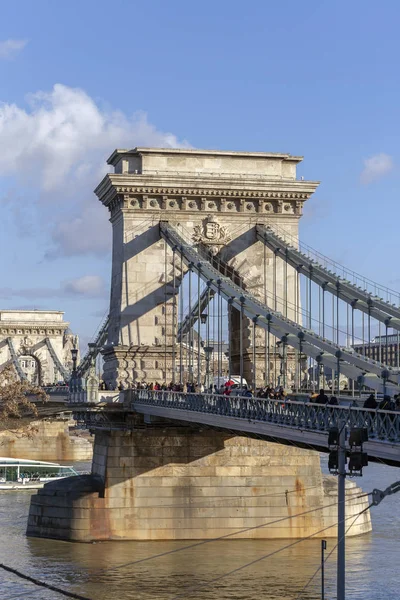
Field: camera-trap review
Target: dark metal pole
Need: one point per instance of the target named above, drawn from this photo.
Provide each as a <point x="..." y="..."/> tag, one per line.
<point x="173" y="317"/>
<point x="398" y="351"/>
<point x="208" y="353"/>
<point x="337" y="312"/>
<point x="213" y="335"/>
<point x="181" y="322"/>
<point x="190" y="327"/>
<point x="208" y="316"/>
<point x="286" y="281"/>
<point x="230" y="337"/>
<point x="268" y="352"/>
<point x="265" y="302"/>
<point x="274" y="278"/>
<point x="323" y="548"/>
<point x="369" y="331"/>
<point x="199" y="328"/>
<point x="241" y="341"/>
<point x="284" y="360"/>
<point x="165" y="312"/>
<point x="309" y="295"/>
<point x="341" y="565"/>
<point x="254" y="356"/>
<point x="219" y="333"/>
<point x="300" y="353"/>
<point x="363" y="332"/>
<point x="352" y="343"/>
<point x="386" y="343"/>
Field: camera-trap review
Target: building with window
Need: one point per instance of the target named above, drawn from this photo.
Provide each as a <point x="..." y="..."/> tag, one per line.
<point x="38" y="344"/>
<point x="382" y="348"/>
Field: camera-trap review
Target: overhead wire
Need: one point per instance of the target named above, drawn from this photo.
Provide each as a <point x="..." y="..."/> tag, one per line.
<point x="249" y="564"/>
<point x="43" y="584"/>
<point x="330" y="553"/>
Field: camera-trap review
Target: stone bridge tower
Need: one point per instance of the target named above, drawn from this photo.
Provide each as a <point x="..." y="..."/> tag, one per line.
<point x="214" y="198"/>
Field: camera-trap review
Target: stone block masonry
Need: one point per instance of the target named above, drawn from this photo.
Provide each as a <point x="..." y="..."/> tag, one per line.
<point x="215" y="199"/>
<point x="46" y="440"/>
<point x="173" y="483"/>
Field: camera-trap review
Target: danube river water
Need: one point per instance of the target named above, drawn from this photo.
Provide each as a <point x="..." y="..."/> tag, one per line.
<point x="96" y="571"/>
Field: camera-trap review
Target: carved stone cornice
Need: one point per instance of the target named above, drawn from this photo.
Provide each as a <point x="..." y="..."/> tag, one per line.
<point x="154" y="192"/>
<point x="35" y="328"/>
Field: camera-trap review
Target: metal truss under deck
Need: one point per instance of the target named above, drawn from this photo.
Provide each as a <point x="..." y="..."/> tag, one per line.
<point x="302" y="423"/>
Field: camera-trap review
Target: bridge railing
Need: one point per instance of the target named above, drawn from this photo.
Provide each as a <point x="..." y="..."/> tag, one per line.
<point x="56" y="389"/>
<point x="381" y="424"/>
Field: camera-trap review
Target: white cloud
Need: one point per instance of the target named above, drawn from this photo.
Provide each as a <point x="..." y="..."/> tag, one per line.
<point x="88" y="285"/>
<point x="9" y="48"/>
<point x="59" y="147"/>
<point x="376" y="167"/>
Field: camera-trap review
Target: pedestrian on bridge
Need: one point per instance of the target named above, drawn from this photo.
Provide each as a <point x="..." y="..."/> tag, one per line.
<point x="371" y="402"/>
<point x="322" y="398"/>
<point x="386" y="404"/>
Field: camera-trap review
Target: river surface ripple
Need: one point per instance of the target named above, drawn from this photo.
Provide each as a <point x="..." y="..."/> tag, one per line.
<point x="372" y="561"/>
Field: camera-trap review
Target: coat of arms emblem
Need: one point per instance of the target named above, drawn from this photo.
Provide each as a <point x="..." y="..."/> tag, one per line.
<point x="211" y="233"/>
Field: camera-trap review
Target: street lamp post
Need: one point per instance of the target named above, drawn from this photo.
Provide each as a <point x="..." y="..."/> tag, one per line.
<point x="73" y="380"/>
<point x="74" y="354"/>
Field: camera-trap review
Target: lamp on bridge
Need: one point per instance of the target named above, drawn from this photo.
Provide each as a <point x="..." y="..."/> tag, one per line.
<point x="73" y="380"/>
<point x="74" y="354"/>
<point x="203" y="318"/>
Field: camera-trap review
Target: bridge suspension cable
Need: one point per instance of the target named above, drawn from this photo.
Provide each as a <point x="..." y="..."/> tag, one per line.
<point x="374" y="288"/>
<point x="94" y="348"/>
<point x="15" y="361"/>
<point x="343" y="359"/>
<point x="60" y="367"/>
<point x="329" y="281"/>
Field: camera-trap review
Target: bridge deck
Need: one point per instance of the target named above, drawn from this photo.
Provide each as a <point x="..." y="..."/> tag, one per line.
<point x="299" y="423"/>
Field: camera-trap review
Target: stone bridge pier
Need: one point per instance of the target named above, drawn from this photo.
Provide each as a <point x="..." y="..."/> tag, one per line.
<point x="215" y="200"/>
<point x="164" y="481"/>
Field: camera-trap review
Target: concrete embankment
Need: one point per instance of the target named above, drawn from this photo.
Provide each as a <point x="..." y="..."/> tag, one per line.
<point x="176" y="483"/>
<point x="49" y="440"/>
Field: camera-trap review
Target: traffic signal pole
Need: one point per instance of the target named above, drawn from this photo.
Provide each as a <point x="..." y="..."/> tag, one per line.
<point x="341" y="511"/>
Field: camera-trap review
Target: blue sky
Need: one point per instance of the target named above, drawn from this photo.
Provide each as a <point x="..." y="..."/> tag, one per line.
<point x="78" y="79"/>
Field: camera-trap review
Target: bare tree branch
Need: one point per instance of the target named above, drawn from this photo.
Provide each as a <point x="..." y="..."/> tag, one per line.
<point x="17" y="398"/>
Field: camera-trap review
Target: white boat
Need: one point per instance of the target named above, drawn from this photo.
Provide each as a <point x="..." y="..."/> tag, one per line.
<point x="23" y="474"/>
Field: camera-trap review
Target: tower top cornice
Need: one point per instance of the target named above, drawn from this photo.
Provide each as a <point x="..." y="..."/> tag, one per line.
<point x="193" y="152"/>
